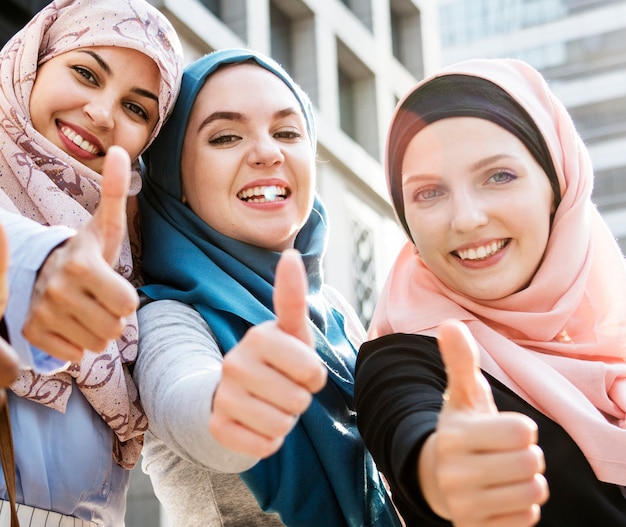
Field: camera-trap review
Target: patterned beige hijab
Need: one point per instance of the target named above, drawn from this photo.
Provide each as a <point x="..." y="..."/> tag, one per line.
<point x="41" y="182"/>
<point x="560" y="343"/>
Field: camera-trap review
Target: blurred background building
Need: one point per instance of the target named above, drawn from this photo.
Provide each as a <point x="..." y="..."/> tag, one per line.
<point x="356" y="58"/>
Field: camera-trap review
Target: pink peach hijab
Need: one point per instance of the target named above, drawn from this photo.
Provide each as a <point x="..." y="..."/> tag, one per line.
<point x="560" y="343"/>
<point x="39" y="181"/>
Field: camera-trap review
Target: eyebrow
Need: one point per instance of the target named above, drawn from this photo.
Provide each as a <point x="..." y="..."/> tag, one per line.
<point x="105" y="67"/>
<point x="491" y="159"/>
<point x="239" y="117"/>
<point x="98" y="59"/>
<point x="475" y="167"/>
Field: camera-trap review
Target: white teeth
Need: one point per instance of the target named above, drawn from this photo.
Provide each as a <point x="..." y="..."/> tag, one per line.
<point x="482" y="252"/>
<point x="263" y="194"/>
<point x="79" y="141"/>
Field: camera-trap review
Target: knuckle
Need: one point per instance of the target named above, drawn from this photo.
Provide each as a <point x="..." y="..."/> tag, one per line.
<point x="267" y="447"/>
<point x="231" y="368"/>
<point x="532" y="460"/>
<point x="77" y="266"/>
<point x="281" y="426"/>
<point x="97" y="345"/>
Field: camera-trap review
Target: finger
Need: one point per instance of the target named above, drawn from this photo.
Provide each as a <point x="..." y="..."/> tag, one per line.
<point x="267" y="383"/>
<point x="56" y="346"/>
<point x="252" y="412"/>
<point x="79" y="302"/>
<point x="290" y="291"/>
<point x="467" y="388"/>
<point x="496" y="468"/>
<point x="525" y="518"/>
<point x="89" y="283"/>
<point x="109" y="220"/>
<point x="513" y="498"/>
<point x="266" y="351"/>
<point x="81" y="330"/>
<point x="239" y="438"/>
<point x="487" y="433"/>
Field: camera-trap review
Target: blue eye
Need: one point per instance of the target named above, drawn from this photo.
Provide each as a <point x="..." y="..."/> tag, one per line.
<point x="503" y="176"/>
<point x="426" y="194"/>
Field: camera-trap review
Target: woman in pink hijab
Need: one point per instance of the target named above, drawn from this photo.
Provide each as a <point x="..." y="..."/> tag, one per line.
<point x="82" y="82"/>
<point x="492" y="390"/>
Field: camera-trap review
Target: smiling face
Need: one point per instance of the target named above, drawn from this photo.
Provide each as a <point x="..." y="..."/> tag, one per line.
<point x="247" y="162"/>
<point x="88" y="99"/>
<point x="478" y="206"/>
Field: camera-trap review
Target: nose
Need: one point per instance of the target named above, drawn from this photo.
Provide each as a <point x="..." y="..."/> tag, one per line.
<point x="265" y="152"/>
<point x="100" y="112"/>
<point x="467" y="212"/>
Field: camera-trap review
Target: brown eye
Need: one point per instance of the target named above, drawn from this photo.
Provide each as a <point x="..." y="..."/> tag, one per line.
<point x="86" y="73"/>
<point x="136" y="109"/>
<point x="224" y="139"/>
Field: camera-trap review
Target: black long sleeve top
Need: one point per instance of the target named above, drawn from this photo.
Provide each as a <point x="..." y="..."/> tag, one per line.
<point x="399" y="385"/>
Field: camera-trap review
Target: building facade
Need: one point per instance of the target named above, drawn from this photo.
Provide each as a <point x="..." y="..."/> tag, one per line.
<point x="578" y="45"/>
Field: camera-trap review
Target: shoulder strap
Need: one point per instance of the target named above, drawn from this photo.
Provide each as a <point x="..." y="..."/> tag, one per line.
<point x="7" y="454"/>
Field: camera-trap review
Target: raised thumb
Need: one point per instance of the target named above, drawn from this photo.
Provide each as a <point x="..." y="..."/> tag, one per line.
<point x="290" y="289"/>
<point x="109" y="220"/>
<point x="467" y="389"/>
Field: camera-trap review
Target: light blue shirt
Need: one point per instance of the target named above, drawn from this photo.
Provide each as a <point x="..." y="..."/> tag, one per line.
<point x="29" y="245"/>
<point x="64" y="461"/>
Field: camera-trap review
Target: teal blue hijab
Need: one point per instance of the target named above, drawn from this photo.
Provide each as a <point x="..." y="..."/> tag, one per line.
<point x="322" y="475"/>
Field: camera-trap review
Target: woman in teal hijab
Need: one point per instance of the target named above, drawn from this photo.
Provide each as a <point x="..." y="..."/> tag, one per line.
<point x="227" y="388"/>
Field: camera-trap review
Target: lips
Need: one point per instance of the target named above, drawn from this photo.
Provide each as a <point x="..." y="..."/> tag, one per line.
<point x="264" y="194"/>
<point x="481" y="252"/>
<point x="79" y="141"/>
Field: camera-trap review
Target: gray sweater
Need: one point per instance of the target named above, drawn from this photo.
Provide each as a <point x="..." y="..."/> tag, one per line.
<point x="179" y="365"/>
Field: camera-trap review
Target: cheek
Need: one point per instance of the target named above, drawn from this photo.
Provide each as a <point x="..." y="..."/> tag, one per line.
<point x="422" y="240"/>
<point x="429" y="234"/>
<point x="135" y="138"/>
<point x="37" y="107"/>
<point x="304" y="173"/>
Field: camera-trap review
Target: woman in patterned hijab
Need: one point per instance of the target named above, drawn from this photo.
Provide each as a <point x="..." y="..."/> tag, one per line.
<point x="50" y="165"/>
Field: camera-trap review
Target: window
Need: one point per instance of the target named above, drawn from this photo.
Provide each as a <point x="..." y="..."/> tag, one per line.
<point x="609" y="191"/>
<point x="362" y="9"/>
<point x="364" y="272"/>
<point x="292" y="42"/>
<point x="406" y="36"/>
<point x="601" y="121"/>
<point x="357" y="100"/>
<point x="232" y="13"/>
<point x="464" y="21"/>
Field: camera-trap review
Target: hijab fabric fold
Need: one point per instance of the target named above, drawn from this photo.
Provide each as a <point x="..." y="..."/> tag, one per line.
<point x="560" y="343"/>
<point x="40" y="181"/>
<point x="230" y="284"/>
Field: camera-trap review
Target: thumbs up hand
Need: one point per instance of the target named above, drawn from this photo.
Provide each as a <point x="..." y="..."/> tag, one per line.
<point x="79" y="302"/>
<point x="269" y="377"/>
<point x="480" y="467"/>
